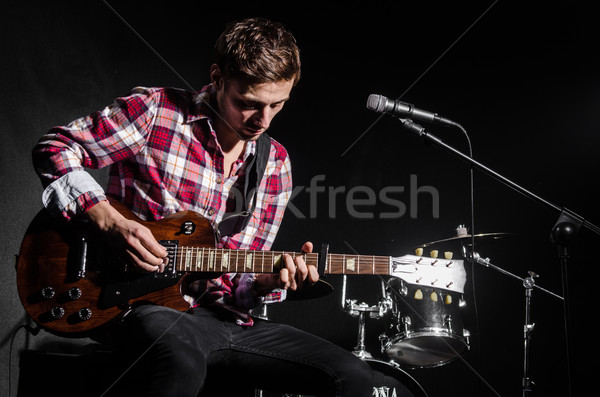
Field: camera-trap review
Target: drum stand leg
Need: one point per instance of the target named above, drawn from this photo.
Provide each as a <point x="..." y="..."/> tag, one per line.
<point x="360" y="350"/>
<point x="528" y="283"/>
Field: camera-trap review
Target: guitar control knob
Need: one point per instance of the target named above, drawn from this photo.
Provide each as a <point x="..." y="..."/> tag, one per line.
<point x="47" y="293"/>
<point x="74" y="293"/>
<point x="84" y="314"/>
<point x="57" y="312"/>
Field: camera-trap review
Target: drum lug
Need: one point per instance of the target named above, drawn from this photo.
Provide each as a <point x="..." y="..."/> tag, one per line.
<point x="384" y="342"/>
<point x="467" y="335"/>
<point x="448" y="322"/>
<point x="406" y="321"/>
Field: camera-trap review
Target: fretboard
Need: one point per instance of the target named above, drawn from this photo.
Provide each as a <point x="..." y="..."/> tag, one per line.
<point x="198" y="259"/>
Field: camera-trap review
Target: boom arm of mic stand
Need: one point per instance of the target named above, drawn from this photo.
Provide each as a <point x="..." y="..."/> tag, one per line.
<point x="409" y="124"/>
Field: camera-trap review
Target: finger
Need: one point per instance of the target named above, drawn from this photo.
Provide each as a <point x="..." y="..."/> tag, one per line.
<point x="162" y="266"/>
<point x="313" y="274"/>
<point x="284" y="278"/>
<point x="301" y="271"/>
<point x="149" y="242"/>
<point x="307" y="247"/>
<point x="145" y="255"/>
<point x="138" y="263"/>
<point x="291" y="268"/>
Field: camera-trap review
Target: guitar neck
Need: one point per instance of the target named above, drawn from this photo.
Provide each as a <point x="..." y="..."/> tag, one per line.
<point x="202" y="259"/>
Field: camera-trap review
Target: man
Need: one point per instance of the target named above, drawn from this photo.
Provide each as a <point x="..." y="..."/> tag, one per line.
<point x="172" y="150"/>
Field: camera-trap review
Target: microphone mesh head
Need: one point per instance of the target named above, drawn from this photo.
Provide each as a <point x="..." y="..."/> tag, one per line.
<point x="375" y="103"/>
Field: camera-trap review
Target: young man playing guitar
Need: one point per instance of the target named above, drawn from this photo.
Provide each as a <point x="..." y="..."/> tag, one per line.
<point x="174" y="150"/>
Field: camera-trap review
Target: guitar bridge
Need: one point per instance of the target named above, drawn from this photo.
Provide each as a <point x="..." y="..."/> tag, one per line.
<point x="170" y="270"/>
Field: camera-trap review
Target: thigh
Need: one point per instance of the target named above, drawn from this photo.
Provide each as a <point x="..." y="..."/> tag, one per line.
<point x="148" y="325"/>
<point x="166" y="352"/>
<point x="281" y="358"/>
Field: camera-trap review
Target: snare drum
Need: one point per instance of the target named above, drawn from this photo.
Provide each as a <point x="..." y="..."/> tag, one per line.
<point x="391" y="381"/>
<point x="426" y="327"/>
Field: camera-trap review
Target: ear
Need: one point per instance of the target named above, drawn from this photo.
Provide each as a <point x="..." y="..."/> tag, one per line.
<point x="215" y="76"/>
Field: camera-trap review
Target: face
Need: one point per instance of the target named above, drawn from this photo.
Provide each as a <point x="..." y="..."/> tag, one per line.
<point x="247" y="110"/>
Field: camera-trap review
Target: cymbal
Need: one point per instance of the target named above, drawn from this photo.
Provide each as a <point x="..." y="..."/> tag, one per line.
<point x="478" y="237"/>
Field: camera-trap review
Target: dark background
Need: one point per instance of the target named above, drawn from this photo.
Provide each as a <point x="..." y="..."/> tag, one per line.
<point x="522" y="80"/>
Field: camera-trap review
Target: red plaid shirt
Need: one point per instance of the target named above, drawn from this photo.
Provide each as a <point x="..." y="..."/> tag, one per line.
<point x="164" y="157"/>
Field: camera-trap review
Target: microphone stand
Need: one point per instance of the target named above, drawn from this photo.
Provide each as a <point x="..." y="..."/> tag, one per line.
<point x="563" y="233"/>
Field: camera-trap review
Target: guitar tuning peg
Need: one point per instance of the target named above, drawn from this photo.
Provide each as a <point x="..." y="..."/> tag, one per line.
<point x="419" y="252"/>
<point x="448" y="255"/>
<point x="433" y="253"/>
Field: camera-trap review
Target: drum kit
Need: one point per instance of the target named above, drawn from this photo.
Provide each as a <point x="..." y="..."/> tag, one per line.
<point x="423" y="311"/>
<point x="422" y="302"/>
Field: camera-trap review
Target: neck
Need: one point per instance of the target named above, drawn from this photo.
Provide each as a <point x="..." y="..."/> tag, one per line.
<point x="229" y="141"/>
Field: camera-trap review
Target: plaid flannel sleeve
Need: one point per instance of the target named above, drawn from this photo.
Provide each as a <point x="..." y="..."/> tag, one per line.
<point x="95" y="141"/>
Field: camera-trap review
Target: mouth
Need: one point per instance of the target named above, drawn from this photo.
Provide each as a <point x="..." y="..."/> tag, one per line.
<point x="254" y="131"/>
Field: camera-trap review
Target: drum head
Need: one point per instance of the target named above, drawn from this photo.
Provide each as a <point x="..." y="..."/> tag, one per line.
<point x="426" y="349"/>
<point x="391" y="381"/>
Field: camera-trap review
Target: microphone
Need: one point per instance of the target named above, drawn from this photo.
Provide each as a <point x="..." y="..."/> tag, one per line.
<point x="381" y="104"/>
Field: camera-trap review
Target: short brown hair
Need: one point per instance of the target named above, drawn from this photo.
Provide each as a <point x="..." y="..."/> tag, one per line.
<point x="258" y="50"/>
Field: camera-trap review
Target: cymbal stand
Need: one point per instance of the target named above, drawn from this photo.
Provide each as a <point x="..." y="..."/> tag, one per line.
<point x="529" y="284"/>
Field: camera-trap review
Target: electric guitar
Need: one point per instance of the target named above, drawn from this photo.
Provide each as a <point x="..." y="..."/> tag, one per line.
<point x="70" y="284"/>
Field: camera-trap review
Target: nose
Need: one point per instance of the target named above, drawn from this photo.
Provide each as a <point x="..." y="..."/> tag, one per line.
<point x="263" y="117"/>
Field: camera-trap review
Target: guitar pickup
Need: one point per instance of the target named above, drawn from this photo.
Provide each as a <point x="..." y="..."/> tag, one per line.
<point x="170" y="269"/>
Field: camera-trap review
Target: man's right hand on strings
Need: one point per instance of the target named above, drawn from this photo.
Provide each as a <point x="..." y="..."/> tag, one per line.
<point x="133" y="242"/>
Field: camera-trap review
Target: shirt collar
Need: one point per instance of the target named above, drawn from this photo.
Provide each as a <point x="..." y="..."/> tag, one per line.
<point x="201" y="107"/>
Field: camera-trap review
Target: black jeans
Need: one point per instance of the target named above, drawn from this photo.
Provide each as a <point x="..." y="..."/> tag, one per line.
<point x="169" y="353"/>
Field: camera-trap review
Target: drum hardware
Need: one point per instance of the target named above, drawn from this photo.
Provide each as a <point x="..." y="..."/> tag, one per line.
<point x="360" y="310"/>
<point x="529" y="284"/>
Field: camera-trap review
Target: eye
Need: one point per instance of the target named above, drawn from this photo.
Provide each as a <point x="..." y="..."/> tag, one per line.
<point x="246" y="105"/>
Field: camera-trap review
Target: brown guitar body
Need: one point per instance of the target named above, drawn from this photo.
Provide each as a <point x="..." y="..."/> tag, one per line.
<point x="69" y="283"/>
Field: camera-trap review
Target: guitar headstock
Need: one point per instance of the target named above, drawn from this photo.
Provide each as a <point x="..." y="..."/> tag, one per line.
<point x="444" y="273"/>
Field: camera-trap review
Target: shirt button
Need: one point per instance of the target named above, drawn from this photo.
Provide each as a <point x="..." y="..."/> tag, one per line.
<point x="211" y="211"/>
<point x="219" y="181"/>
